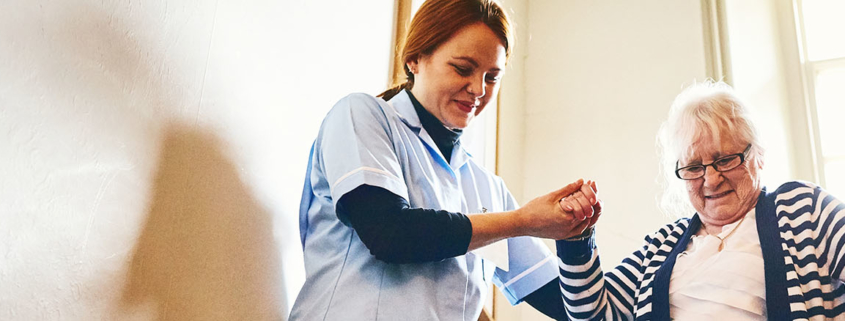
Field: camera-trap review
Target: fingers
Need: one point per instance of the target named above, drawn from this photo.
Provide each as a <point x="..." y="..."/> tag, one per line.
<point x="579" y="227"/>
<point x="577" y="205"/>
<point x="597" y="207"/>
<point x="579" y="199"/>
<point x="568" y="189"/>
<point x="566" y="204"/>
<point x="570" y="202"/>
<point x="584" y="209"/>
<point x="589" y="193"/>
<point x="597" y="213"/>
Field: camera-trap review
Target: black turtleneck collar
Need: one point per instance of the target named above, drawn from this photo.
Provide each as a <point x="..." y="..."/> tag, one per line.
<point x="445" y="139"/>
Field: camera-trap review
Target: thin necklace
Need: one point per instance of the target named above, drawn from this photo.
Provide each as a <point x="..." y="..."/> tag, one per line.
<point x="722" y="239"/>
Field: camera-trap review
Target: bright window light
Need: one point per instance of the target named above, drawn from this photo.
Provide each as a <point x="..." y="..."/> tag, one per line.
<point x="835" y="176"/>
<point x="823" y="40"/>
<point x="830" y="106"/>
<point x="824" y="27"/>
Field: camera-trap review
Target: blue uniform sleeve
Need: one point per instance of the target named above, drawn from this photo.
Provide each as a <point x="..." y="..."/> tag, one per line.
<point x="355" y="148"/>
<point x="531" y="264"/>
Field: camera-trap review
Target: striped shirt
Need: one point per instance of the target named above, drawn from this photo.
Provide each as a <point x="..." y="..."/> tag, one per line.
<point x="801" y="236"/>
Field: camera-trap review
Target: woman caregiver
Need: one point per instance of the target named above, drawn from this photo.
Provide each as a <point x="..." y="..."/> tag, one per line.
<point x="395" y="211"/>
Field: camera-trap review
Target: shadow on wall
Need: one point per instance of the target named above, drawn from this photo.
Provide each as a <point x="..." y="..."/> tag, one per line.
<point x="206" y="251"/>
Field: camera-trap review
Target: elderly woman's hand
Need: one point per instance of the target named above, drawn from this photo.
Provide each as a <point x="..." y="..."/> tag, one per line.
<point x="545" y="216"/>
<point x="584" y="204"/>
<point x="581" y="203"/>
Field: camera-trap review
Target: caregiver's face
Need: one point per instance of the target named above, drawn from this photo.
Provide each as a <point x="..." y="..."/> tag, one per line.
<point x="456" y="81"/>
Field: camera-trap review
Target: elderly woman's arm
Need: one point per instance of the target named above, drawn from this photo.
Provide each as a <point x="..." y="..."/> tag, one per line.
<point x="831" y="211"/>
<point x="588" y="293"/>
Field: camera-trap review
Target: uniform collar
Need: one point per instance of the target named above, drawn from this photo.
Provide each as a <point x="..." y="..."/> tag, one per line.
<point x="402" y="103"/>
<point x="405" y="109"/>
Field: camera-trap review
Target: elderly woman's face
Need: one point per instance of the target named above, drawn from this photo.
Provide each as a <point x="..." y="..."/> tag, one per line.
<point x="722" y="197"/>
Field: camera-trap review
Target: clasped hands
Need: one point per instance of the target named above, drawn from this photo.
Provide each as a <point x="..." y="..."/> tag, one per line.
<point x="564" y="213"/>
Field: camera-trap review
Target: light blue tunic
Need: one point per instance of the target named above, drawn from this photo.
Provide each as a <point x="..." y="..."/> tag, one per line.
<point x="365" y="140"/>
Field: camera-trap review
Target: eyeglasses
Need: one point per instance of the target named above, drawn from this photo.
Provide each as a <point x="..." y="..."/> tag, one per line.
<point x="721" y="164"/>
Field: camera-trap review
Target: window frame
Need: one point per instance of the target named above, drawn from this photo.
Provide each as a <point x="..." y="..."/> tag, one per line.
<point x="810" y="71"/>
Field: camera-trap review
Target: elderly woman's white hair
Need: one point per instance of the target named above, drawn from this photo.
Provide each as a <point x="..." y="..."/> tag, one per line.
<point x="708" y="107"/>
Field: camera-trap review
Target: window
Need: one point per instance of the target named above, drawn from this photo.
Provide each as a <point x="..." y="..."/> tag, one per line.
<point x="821" y="33"/>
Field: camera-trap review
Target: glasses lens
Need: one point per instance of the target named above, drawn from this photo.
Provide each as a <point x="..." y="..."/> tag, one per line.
<point x="727" y="163"/>
<point x="691" y="172"/>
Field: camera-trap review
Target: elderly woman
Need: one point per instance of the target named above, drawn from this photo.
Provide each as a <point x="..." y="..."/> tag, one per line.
<point x="748" y="253"/>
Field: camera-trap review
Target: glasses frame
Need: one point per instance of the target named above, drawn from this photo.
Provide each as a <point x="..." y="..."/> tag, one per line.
<point x="704" y="172"/>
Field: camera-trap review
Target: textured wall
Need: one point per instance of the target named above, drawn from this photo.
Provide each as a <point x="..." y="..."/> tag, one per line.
<point x="152" y="152"/>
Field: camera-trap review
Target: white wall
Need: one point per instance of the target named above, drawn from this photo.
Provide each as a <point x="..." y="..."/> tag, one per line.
<point x="511" y="152"/>
<point x="598" y="81"/>
<point x="152" y="153"/>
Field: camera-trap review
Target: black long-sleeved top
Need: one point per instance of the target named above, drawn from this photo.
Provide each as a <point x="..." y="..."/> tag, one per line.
<point x="396" y="233"/>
